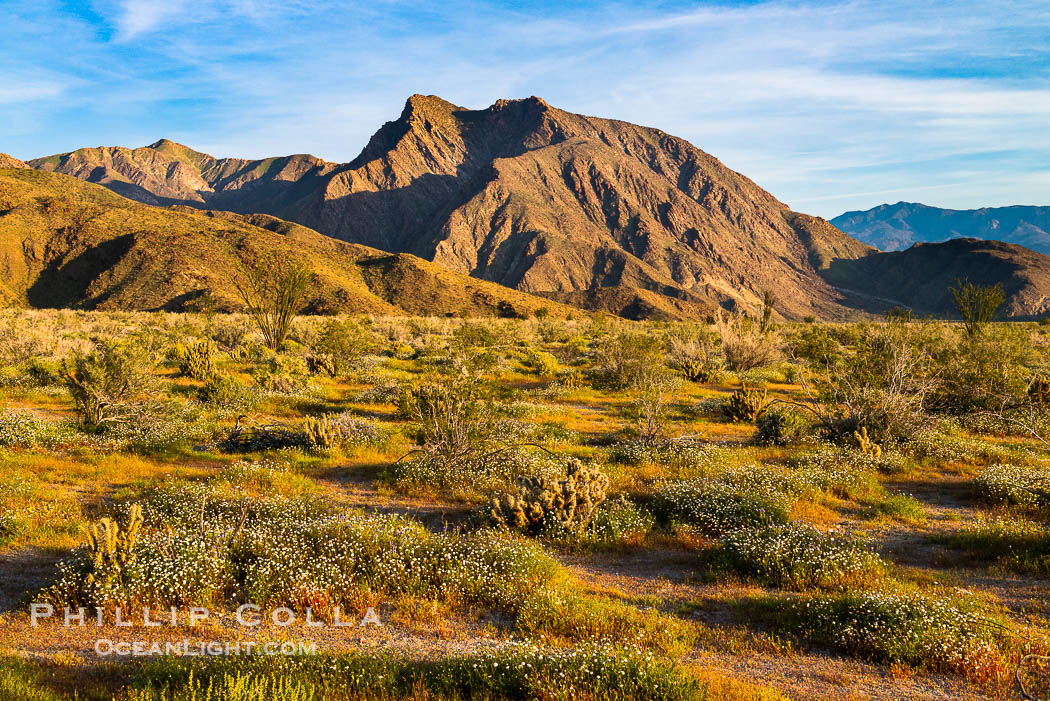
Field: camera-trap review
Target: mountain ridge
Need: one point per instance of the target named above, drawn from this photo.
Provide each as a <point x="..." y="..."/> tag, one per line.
<point x="594" y="212"/>
<point x="894" y="227"/>
<point x="522" y="194"/>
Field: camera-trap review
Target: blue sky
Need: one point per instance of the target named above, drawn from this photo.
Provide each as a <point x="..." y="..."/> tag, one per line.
<point x="829" y="105"/>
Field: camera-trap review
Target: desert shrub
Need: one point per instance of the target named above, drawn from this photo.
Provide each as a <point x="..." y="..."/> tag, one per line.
<point x="356" y="430"/>
<point x="943" y="442"/>
<point x="345" y="341"/>
<point x="1014" y="484"/>
<point x="622" y="359"/>
<point x="455" y="421"/>
<point x="651" y="391"/>
<point x="541" y="363"/>
<point x="745" y="405"/>
<point x="1016" y="545"/>
<point x="544" y="504"/>
<point x="745" y="343"/>
<point x="167" y="426"/>
<point x="282" y="374"/>
<point x="985" y="372"/>
<point x="798" y="556"/>
<point x="384" y="392"/>
<point x="883" y="386"/>
<point x="781" y="427"/>
<point x="930" y="633"/>
<point x="678" y="457"/>
<point x="108" y="383"/>
<point x="35" y="372"/>
<point x="731" y="501"/>
<point x="226" y="393"/>
<point x="901" y="507"/>
<point x="619" y="522"/>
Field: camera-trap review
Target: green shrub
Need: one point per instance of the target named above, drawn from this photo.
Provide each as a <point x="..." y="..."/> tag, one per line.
<point x="108" y="382"/>
<point x="224" y="392"/>
<point x="343" y="343"/>
<point x="901" y="507"/>
<point x="198" y="362"/>
<point x="781" y="427"/>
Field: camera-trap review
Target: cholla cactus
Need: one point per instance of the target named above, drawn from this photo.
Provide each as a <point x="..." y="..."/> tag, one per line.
<point x="569" y="503"/>
<point x="571" y="380"/>
<point x="112" y="547"/>
<point x="1039" y="389"/>
<point x="696" y="371"/>
<point x="322" y="364"/>
<point x="867" y="446"/>
<point x="745" y="405"/>
<point x="321" y="433"/>
<point x="198" y="362"/>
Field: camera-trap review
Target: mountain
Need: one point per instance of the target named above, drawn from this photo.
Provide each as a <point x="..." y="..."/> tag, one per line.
<point x="920" y="277"/>
<point x="67" y="243"/>
<point x="525" y="195"/>
<point x="11" y="162"/>
<point x="894" y="227"/>
<point x="589" y="212"/>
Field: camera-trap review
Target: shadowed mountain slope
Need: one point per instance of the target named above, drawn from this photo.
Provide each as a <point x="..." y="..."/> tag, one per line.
<point x="921" y="276"/>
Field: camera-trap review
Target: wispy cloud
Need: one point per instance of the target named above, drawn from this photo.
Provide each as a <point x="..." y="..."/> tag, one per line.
<point x="827" y="104"/>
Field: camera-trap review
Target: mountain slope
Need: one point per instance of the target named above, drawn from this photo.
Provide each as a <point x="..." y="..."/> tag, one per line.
<point x="7" y="161"/>
<point x="894" y="227"/>
<point x="920" y="277"/>
<point x="525" y="195"/>
<point x="66" y="243"/>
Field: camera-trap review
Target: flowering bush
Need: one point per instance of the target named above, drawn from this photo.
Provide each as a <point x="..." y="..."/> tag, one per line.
<point x="20" y="428"/>
<point x="515" y="670"/>
<point x="798" y="556"/>
<point x="1014" y="484"/>
<point x="202" y="547"/>
<point x="932" y="633"/>
<point x="1018" y="545"/>
<point x="736" y="499"/>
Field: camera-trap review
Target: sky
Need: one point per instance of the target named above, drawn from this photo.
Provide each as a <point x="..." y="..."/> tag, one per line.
<point x="831" y="106"/>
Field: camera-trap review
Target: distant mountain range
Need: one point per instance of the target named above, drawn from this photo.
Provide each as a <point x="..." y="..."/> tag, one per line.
<point x="588" y="212"/>
<point x="894" y="227"/>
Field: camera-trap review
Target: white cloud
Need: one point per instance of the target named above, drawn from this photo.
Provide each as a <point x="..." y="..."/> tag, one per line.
<point x="138" y="17"/>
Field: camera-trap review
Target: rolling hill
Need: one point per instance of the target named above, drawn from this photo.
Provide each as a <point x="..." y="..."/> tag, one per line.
<point x="67" y="243"/>
<point x="920" y="277"/>
<point x="894" y="227"/>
